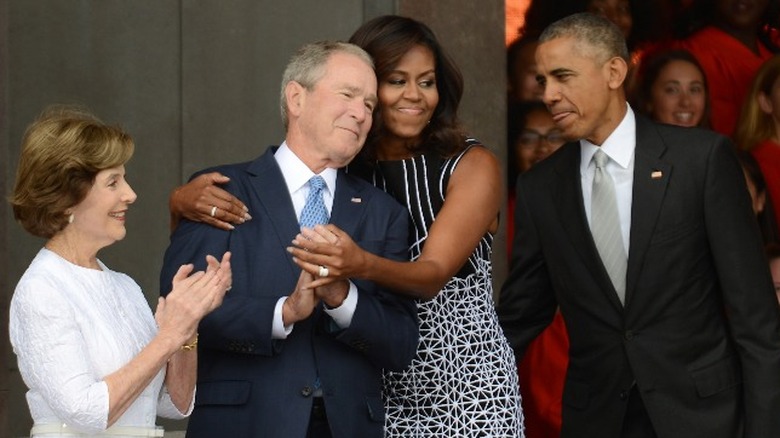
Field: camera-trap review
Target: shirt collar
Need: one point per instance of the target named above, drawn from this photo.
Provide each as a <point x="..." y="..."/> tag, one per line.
<point x="619" y="146"/>
<point x="297" y="174"/>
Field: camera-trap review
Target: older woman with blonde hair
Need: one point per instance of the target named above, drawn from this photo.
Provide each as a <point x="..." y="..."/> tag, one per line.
<point x="95" y="359"/>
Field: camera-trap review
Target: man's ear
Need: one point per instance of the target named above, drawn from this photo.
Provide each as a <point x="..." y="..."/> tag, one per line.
<point x="617" y="69"/>
<point x="295" y="95"/>
<point x="765" y="103"/>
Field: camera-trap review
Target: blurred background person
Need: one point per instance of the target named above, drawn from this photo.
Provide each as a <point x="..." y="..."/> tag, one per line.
<point x="672" y="89"/>
<point x="763" y="206"/>
<point x="758" y="130"/>
<point x="521" y="71"/>
<point x="773" y="255"/>
<point x="95" y="359"/>
<point x="533" y="137"/>
<point x="730" y="39"/>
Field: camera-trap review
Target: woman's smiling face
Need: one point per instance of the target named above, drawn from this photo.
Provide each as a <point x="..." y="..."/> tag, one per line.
<point x="408" y="95"/>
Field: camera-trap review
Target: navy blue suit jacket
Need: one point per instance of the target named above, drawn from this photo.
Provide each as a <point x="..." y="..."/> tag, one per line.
<point x="699" y="334"/>
<point x="250" y="385"/>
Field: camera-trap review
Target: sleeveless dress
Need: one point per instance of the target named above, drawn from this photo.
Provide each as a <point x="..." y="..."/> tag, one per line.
<point x="463" y="382"/>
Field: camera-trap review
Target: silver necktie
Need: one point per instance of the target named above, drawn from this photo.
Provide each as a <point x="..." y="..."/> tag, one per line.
<point x="605" y="225"/>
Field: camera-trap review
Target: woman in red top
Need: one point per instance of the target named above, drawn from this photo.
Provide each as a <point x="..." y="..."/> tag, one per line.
<point x="730" y="39"/>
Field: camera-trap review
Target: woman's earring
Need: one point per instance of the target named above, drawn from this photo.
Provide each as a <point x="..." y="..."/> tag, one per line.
<point x="70" y="218"/>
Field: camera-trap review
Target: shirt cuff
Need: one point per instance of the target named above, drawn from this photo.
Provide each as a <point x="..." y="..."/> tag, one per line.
<point x="279" y="330"/>
<point x="342" y="315"/>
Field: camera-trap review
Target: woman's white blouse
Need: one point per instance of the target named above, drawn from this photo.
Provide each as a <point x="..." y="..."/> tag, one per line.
<point x="70" y="327"/>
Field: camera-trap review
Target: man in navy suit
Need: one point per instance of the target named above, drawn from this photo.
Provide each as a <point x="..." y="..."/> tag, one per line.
<point x="684" y="340"/>
<point x="279" y="359"/>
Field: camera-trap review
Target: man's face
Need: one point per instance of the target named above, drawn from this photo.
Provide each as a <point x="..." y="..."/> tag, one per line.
<point x="335" y="114"/>
<point x="577" y="89"/>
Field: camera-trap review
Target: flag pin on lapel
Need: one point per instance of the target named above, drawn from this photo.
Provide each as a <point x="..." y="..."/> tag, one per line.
<point x="656" y="174"/>
<point x="356" y="200"/>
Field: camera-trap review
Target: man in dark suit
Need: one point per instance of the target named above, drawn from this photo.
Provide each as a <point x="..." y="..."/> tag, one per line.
<point x="673" y="326"/>
<point x="279" y="359"/>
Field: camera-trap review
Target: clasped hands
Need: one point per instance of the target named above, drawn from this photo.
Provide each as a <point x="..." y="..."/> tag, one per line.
<point x="324" y="246"/>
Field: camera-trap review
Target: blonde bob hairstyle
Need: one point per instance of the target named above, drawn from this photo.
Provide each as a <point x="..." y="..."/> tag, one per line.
<point x="62" y="152"/>
<point x="754" y="124"/>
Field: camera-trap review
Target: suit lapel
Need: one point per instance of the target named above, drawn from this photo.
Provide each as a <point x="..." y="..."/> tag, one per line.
<point x="272" y="194"/>
<point x="348" y="203"/>
<point x="651" y="177"/>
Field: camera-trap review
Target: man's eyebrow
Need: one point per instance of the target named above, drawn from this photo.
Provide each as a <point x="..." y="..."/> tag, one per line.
<point x="560" y="71"/>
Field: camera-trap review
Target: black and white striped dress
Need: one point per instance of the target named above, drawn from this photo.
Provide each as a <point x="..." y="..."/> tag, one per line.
<point x="463" y="382"/>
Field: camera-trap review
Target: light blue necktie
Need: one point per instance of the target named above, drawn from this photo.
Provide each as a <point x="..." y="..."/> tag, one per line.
<point x="314" y="211"/>
<point x="605" y="225"/>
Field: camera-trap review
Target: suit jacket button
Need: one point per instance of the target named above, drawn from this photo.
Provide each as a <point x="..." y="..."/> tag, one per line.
<point x="624" y="395"/>
<point x="306" y="391"/>
<point x="628" y="335"/>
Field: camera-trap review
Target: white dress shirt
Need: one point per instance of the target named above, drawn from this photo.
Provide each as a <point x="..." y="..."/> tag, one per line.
<point x="296" y="176"/>
<point x="72" y="326"/>
<point x="619" y="147"/>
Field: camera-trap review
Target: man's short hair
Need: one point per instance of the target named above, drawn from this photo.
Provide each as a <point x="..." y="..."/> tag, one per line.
<point x="307" y="66"/>
<point x="592" y="33"/>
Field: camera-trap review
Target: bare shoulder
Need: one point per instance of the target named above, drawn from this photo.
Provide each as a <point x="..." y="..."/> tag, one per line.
<point x="478" y="160"/>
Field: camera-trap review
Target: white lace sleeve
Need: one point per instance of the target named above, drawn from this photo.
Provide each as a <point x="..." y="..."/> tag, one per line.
<point x="52" y="358"/>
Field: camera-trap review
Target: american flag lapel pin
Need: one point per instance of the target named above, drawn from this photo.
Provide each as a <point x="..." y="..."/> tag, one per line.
<point x="656" y="174"/>
<point x="356" y="200"/>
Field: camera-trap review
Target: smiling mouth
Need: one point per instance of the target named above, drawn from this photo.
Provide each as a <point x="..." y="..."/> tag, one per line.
<point x="683" y="117"/>
<point x="118" y="215"/>
<point x="411" y="111"/>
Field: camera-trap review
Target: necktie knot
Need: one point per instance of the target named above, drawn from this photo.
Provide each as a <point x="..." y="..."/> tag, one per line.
<point x="600" y="158"/>
<point x="316" y="183"/>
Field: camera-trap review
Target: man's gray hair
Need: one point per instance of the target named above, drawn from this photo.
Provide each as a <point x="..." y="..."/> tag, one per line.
<point x="601" y="36"/>
<point x="307" y="66"/>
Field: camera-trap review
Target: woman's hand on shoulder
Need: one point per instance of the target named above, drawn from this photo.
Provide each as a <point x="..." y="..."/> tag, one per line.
<point x="202" y="200"/>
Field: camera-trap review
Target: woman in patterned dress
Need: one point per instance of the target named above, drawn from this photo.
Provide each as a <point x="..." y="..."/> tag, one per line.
<point x="463" y="381"/>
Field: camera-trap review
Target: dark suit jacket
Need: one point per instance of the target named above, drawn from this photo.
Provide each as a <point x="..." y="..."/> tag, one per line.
<point x="250" y="385"/>
<point x="699" y="334"/>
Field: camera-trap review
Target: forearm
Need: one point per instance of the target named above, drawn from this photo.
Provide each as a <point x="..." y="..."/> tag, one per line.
<point x="421" y="279"/>
<point x="180" y="377"/>
<point x="127" y="383"/>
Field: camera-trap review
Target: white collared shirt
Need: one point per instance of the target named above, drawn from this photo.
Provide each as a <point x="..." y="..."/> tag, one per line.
<point x="620" y="147"/>
<point x="296" y="176"/>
